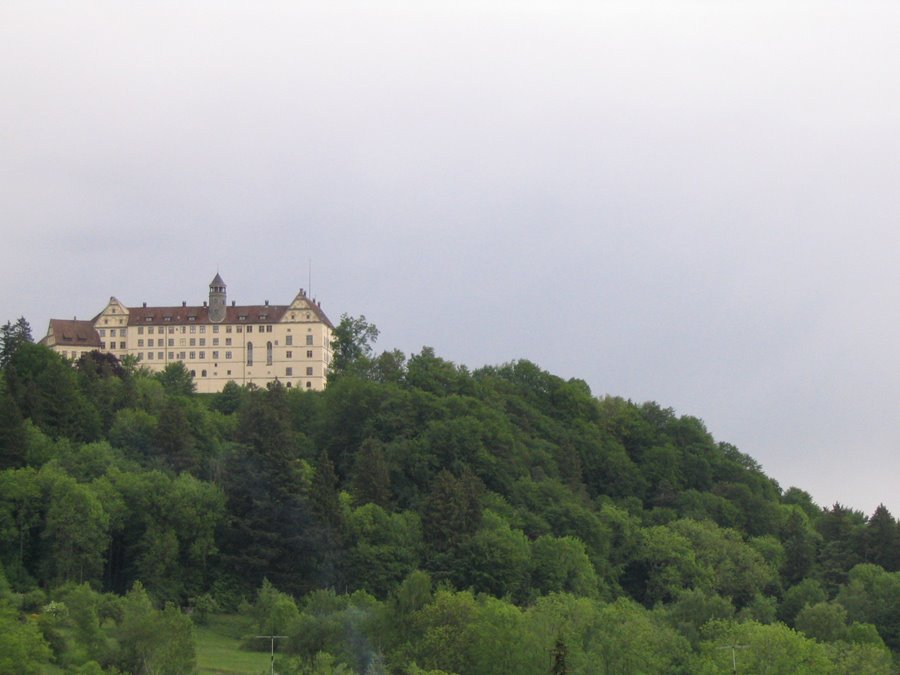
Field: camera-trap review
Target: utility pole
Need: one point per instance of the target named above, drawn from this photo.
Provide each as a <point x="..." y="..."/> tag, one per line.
<point x="732" y="647"/>
<point x="272" y="638"/>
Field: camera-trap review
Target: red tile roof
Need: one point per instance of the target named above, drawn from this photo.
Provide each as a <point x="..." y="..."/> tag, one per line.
<point x="192" y="314"/>
<point x="72" y="332"/>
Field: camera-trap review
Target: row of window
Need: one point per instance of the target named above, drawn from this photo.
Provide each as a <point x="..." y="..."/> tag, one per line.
<point x="193" y="329"/>
<point x="112" y="345"/>
<point x="288" y="340"/>
<point x="159" y="356"/>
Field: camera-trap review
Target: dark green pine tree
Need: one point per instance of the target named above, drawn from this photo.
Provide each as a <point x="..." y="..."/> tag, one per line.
<point x="271" y="524"/>
<point x="371" y="479"/>
<point x="882" y="540"/>
<point x="450" y="517"/>
<point x="329" y="530"/>
<point x="174" y="439"/>
<point x="12" y="432"/>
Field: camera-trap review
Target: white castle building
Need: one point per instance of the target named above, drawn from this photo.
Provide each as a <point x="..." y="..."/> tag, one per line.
<point x="216" y="342"/>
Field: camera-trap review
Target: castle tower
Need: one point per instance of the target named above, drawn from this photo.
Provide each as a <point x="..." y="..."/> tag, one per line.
<point x="217" y="299"/>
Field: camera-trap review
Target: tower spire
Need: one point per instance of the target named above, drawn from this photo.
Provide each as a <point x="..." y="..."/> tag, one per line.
<point x="217" y="299"/>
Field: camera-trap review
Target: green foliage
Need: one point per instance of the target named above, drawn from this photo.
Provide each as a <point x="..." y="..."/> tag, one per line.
<point x="351" y="346"/>
<point x="176" y="379"/>
<point x="824" y="621"/>
<point x="154" y="641"/>
<point x="563" y="532"/>
<point x="76" y="529"/>
<point x="23" y="649"/>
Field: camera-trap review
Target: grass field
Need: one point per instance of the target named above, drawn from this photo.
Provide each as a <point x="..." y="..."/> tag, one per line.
<point x="218" y="647"/>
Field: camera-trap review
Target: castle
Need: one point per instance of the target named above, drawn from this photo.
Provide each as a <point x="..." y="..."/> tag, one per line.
<point x="216" y="342"/>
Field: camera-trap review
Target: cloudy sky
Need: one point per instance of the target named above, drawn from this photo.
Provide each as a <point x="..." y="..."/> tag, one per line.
<point x="696" y="203"/>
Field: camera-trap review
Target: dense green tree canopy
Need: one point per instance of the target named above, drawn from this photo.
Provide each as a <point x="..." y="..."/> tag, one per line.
<point x="415" y="516"/>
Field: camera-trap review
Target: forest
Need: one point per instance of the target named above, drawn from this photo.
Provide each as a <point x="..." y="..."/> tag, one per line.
<point x="415" y="517"/>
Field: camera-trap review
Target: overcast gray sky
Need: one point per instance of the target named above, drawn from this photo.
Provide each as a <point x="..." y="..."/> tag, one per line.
<point x="696" y="203"/>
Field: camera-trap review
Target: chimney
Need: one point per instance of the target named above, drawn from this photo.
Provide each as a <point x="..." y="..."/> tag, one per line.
<point x="232" y="303"/>
<point x="204" y="303"/>
<point x="145" y="305"/>
<point x="267" y="303"/>
<point x="184" y="303"/>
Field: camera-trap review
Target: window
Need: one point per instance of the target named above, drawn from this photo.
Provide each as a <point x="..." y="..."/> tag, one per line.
<point x="148" y="319"/>
<point x="309" y="340"/>
<point x="159" y="355"/>
<point x="269" y="328"/>
<point x="102" y="332"/>
<point x="183" y="329"/>
<point x="202" y="355"/>
<point x="140" y="330"/>
<point x="288" y="372"/>
<point x="202" y="329"/>
<point x="193" y="342"/>
<point x="215" y="342"/>
<point x="215" y="329"/>
<point x="192" y="318"/>
<point x="309" y="353"/>
<point x="181" y="356"/>
<point x="123" y="332"/>
<point x="181" y="342"/>
<point x="171" y="328"/>
<point x="122" y="345"/>
<point x="202" y="373"/>
<point x="171" y="356"/>
<point x="289" y="355"/>
<point x="193" y="373"/>
<point x="228" y="356"/>
<point x="227" y="329"/>
<point x="102" y="345"/>
<point x="239" y="329"/>
<point x="215" y="356"/>
<point x="149" y="356"/>
<point x="268" y="353"/>
<point x="171" y="342"/>
<point x="193" y="355"/>
<point x="249" y="353"/>
<point x="309" y="385"/>
<point x="227" y="342"/>
<point x="150" y="342"/>
<point x="149" y="330"/>
<point x="309" y="371"/>
<point x="193" y="328"/>
<point x="202" y="342"/>
<point x="140" y="343"/>
<point x="249" y="329"/>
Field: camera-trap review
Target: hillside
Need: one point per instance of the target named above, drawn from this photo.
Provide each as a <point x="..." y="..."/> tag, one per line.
<point x="415" y="516"/>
